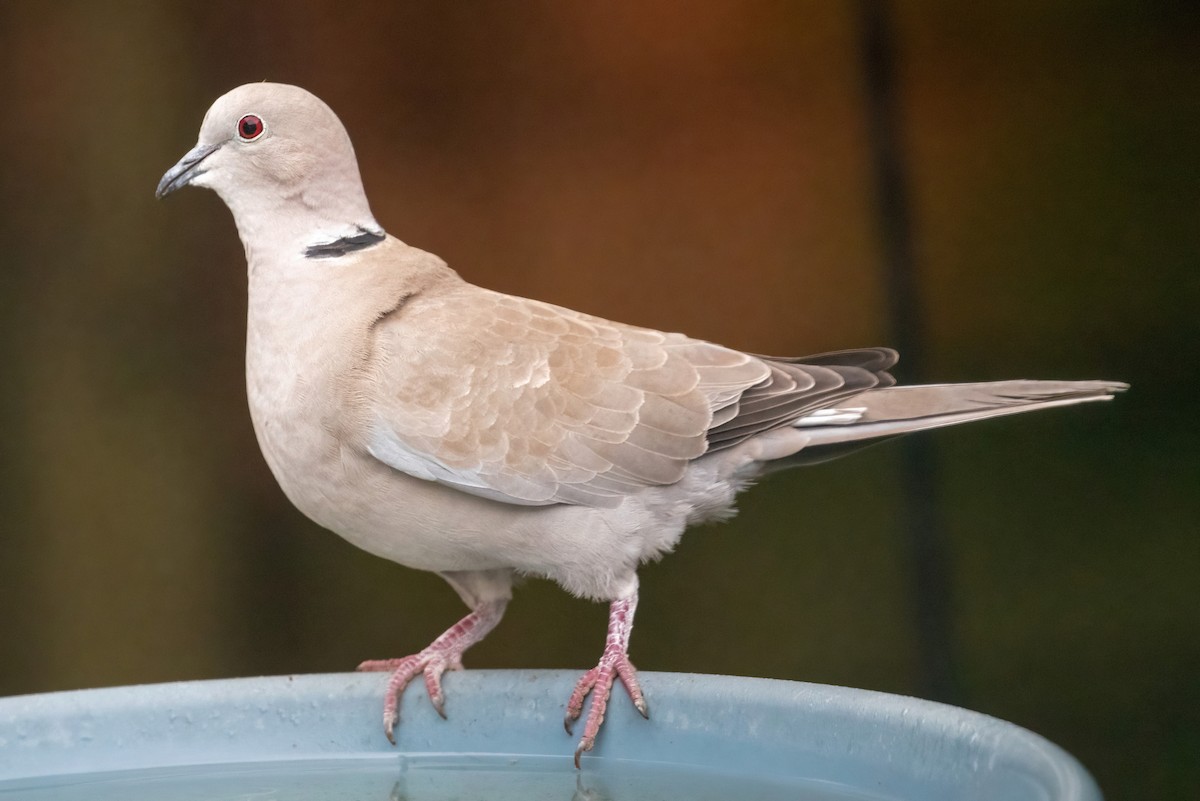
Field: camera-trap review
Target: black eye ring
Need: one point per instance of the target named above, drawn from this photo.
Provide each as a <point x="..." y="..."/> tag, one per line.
<point x="250" y="127"/>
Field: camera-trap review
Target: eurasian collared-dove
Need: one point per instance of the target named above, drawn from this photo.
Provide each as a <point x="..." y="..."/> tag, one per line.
<point x="478" y="435"/>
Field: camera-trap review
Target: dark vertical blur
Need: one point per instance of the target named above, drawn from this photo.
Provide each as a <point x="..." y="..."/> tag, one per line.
<point x="21" y="650"/>
<point x="922" y="525"/>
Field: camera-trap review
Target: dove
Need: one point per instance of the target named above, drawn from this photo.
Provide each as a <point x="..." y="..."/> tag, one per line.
<point x="487" y="437"/>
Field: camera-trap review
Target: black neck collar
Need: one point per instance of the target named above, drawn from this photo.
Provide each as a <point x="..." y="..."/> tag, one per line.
<point x="347" y="244"/>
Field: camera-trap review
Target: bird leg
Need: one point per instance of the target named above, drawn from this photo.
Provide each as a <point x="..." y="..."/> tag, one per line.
<point x="444" y="653"/>
<point x="614" y="664"/>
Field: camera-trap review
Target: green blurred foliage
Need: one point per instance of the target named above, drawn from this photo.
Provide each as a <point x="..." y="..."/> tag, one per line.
<point x="689" y="166"/>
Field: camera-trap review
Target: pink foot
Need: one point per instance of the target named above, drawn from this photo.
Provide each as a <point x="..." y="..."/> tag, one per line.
<point x="614" y="664"/>
<point x="444" y="653"/>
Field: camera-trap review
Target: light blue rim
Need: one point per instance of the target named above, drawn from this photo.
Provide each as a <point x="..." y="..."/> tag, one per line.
<point x="887" y="745"/>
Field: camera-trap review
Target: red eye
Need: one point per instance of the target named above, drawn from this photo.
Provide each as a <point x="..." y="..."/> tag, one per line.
<point x="249" y="127"/>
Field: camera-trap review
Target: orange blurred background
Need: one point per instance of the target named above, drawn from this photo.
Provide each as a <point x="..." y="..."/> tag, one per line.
<point x="703" y="167"/>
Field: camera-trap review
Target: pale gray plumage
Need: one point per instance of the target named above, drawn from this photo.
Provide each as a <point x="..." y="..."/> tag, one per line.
<point x="455" y="429"/>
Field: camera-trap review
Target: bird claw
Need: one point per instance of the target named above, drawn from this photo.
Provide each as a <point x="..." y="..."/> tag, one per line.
<point x="431" y="663"/>
<point x="433" y="684"/>
<point x="444" y="653"/>
<point x="379" y="665"/>
<point x="598" y="682"/>
<point x="575" y="703"/>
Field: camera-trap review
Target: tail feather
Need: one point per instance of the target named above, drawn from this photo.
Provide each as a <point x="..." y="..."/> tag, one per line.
<point x="891" y="411"/>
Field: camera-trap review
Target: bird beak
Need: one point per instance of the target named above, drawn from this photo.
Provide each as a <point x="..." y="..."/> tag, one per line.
<point x="186" y="170"/>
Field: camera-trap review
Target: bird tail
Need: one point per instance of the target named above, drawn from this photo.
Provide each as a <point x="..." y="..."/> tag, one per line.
<point x="891" y="411"/>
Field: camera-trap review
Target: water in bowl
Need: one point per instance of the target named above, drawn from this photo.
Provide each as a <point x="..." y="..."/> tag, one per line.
<point x="429" y="778"/>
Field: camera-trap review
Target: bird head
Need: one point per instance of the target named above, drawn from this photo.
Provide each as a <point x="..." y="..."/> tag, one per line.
<point x="276" y="152"/>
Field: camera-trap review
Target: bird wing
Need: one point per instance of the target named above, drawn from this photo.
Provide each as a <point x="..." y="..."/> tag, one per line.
<point x="529" y="403"/>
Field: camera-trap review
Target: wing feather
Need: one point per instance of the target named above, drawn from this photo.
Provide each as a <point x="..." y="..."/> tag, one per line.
<point x="529" y="403"/>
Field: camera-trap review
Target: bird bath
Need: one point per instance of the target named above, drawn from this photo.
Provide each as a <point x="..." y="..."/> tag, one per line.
<point x="319" y="738"/>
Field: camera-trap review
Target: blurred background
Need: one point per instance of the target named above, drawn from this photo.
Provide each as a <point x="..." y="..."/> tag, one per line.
<point x="1009" y="192"/>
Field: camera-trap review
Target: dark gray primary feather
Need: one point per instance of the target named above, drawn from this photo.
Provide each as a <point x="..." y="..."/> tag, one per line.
<point x="798" y="386"/>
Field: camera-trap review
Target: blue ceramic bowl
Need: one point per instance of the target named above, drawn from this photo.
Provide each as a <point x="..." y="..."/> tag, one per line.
<point x="318" y="738"/>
